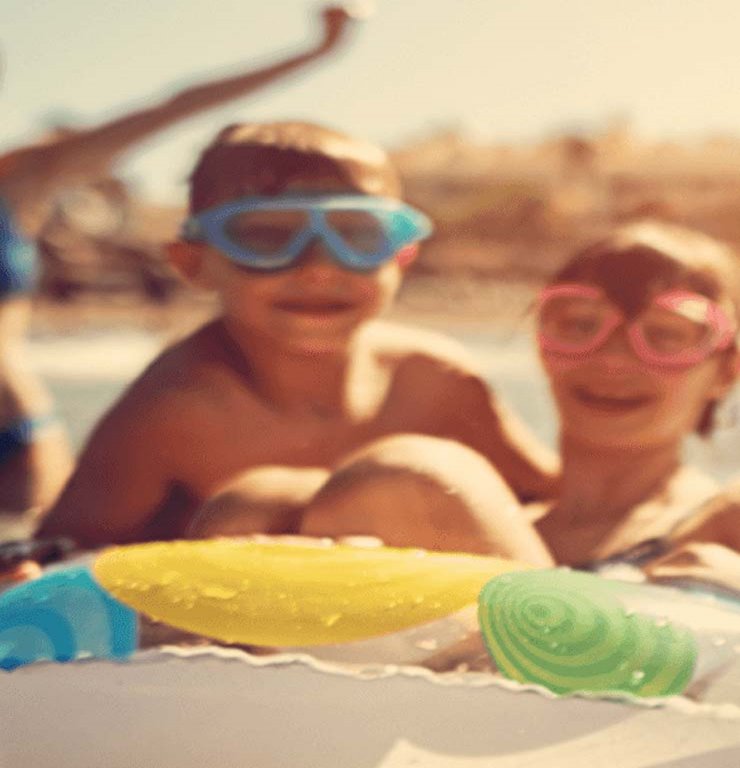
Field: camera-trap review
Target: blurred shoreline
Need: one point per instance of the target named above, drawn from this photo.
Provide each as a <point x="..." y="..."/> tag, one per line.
<point x="506" y="217"/>
<point x="432" y="301"/>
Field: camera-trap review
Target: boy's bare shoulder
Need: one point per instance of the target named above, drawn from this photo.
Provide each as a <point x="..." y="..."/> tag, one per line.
<point x="421" y="360"/>
<point x="192" y="374"/>
<point x="411" y="349"/>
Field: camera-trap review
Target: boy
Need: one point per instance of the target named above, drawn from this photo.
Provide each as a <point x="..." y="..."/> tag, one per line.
<point x="301" y="233"/>
<point x="34" y="456"/>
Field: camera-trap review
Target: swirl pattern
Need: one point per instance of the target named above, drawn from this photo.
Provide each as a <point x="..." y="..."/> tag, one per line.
<point x="61" y="616"/>
<point x="569" y="632"/>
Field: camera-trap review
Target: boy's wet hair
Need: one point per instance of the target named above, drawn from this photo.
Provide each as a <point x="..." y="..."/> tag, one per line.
<point x="636" y="261"/>
<point x="266" y="158"/>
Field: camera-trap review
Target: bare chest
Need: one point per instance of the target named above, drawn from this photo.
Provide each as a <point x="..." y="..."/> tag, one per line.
<point x="238" y="438"/>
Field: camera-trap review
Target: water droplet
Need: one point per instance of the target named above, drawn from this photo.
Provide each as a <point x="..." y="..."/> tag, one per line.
<point x="282" y="596"/>
<point x="218" y="592"/>
<point x="554" y="645"/>
<point x="245" y="583"/>
<point x="637" y="677"/>
<point x="419" y="599"/>
<point x="331" y="620"/>
<point x="428" y="645"/>
<point x="168" y="577"/>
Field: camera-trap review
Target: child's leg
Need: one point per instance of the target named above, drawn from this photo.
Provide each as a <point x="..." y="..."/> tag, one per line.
<point x="262" y="500"/>
<point x="417" y="491"/>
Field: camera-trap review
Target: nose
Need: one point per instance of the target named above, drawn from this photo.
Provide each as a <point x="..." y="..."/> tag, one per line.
<point x="616" y="351"/>
<point x="316" y="262"/>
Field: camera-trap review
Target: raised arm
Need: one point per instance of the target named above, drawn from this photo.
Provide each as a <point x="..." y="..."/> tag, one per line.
<point x="85" y="154"/>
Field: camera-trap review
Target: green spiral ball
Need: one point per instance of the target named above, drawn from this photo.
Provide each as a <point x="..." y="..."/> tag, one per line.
<point x="568" y="632"/>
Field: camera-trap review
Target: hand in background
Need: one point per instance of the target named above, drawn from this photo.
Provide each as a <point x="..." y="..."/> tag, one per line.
<point x="337" y="19"/>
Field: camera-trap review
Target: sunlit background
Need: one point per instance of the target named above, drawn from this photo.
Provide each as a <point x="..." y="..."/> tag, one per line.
<point x="494" y="69"/>
<point x="520" y="126"/>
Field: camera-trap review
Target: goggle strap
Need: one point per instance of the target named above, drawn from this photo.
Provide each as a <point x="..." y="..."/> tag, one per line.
<point x="191" y="229"/>
<point x="407" y="255"/>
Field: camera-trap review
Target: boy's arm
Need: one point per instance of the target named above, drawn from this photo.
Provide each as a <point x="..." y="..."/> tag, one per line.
<point x="122" y="477"/>
<point x="88" y="152"/>
<point x="478" y="419"/>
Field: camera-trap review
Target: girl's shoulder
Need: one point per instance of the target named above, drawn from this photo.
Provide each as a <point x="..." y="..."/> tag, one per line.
<point x="689" y="488"/>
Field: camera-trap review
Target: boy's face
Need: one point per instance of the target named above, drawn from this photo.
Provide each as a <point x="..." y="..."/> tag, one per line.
<point x="313" y="306"/>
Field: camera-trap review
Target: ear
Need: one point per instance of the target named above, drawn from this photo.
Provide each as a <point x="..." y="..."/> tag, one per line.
<point x="188" y="260"/>
<point x="727" y="374"/>
<point x="407" y="255"/>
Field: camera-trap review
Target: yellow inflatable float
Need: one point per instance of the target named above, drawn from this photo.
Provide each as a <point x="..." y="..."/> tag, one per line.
<point x="256" y="593"/>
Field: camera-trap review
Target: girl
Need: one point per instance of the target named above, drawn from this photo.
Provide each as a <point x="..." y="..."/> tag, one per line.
<point x="637" y="337"/>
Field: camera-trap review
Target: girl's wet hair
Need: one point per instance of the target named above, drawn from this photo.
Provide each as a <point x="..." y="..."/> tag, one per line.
<point x="265" y="158"/>
<point x="635" y="262"/>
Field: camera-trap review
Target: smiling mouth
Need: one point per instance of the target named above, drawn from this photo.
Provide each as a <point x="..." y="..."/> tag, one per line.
<point x="314" y="307"/>
<point x="610" y="402"/>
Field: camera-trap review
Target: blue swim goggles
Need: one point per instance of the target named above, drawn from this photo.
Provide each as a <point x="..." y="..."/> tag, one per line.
<point x="360" y="232"/>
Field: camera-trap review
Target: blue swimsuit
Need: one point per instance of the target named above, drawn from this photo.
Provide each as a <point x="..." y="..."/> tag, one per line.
<point x="18" y="263"/>
<point x="18" y="269"/>
<point x="21" y="433"/>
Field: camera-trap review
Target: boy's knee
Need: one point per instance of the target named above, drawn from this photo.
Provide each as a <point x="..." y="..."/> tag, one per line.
<point x="410" y="491"/>
<point x="429" y="465"/>
<point x="262" y="500"/>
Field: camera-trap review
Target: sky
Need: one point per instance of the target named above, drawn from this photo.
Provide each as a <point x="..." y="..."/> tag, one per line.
<point x="502" y="70"/>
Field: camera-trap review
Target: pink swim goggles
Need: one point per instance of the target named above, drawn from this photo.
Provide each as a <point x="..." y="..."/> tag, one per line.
<point x="679" y="328"/>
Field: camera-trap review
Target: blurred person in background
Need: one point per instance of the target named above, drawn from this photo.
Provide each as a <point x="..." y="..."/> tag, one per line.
<point x="35" y="458"/>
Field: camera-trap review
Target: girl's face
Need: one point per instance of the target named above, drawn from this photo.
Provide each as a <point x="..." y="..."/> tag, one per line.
<point x="634" y="379"/>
